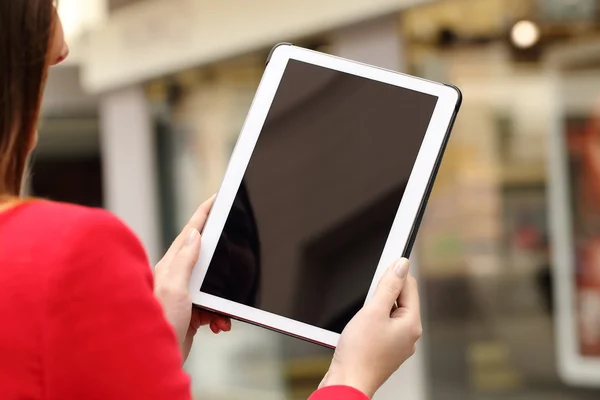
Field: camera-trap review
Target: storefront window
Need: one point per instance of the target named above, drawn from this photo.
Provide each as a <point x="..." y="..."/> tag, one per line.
<point x="486" y="244"/>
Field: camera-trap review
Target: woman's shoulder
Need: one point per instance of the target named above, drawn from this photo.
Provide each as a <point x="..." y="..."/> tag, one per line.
<point x="55" y="230"/>
<point x="51" y="253"/>
<point x="56" y="215"/>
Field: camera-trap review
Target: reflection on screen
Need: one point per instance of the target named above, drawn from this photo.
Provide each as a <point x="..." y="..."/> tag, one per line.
<point x="319" y="196"/>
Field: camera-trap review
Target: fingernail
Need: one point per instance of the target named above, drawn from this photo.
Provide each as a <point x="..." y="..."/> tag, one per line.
<point x="401" y="268"/>
<point x="192" y="236"/>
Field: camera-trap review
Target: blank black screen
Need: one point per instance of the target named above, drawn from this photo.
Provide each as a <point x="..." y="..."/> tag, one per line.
<point x="319" y="196"/>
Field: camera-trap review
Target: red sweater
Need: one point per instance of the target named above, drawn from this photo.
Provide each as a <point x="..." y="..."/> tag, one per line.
<point x="80" y="320"/>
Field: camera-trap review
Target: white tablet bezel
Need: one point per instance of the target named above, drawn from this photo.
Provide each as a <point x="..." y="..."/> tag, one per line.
<point x="409" y="209"/>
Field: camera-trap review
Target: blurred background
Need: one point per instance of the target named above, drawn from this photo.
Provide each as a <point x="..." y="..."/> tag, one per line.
<point x="144" y="115"/>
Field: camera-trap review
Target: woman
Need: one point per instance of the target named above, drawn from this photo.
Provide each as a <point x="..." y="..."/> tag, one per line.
<point x="80" y="317"/>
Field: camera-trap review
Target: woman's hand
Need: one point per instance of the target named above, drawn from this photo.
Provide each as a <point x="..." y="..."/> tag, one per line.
<point x="172" y="279"/>
<point x="381" y="337"/>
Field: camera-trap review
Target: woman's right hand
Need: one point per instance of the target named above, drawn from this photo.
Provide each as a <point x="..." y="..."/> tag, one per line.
<point x="380" y="337"/>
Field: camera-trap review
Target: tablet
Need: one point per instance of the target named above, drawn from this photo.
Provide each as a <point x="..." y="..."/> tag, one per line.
<point x="325" y="189"/>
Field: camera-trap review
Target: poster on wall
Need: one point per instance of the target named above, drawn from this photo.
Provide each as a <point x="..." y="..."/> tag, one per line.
<point x="575" y="210"/>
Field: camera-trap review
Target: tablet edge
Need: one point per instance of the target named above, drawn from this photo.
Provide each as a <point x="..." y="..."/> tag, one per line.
<point x="415" y="228"/>
<point x="275" y="48"/>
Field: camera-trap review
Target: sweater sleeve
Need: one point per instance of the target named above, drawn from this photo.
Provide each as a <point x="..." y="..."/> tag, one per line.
<point x="338" y="393"/>
<point x="105" y="335"/>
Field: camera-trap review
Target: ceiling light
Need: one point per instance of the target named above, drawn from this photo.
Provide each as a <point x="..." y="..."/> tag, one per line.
<point x="525" y="34"/>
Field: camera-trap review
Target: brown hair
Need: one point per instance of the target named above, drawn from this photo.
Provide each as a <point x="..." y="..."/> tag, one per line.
<point x="26" y="28"/>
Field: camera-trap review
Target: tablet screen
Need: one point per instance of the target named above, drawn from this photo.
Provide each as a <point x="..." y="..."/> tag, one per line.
<point x="319" y="196"/>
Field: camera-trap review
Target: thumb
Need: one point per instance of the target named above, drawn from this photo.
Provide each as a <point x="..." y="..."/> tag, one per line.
<point x="391" y="284"/>
<point x="185" y="260"/>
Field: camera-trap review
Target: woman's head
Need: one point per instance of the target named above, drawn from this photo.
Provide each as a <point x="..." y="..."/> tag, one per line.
<point x="31" y="39"/>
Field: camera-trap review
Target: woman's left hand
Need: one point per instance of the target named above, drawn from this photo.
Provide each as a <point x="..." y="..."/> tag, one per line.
<point x="171" y="284"/>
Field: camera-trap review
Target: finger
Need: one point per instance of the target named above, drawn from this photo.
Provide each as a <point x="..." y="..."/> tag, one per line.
<point x="409" y="297"/>
<point x="223" y="323"/>
<point x="390" y="286"/>
<point x="408" y="316"/>
<point x="201" y="318"/>
<point x="199" y="218"/>
<point x="214" y="328"/>
<point x="183" y="264"/>
<point x="197" y="222"/>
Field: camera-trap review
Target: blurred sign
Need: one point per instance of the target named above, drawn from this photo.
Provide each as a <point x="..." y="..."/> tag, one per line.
<point x="165" y="26"/>
<point x="575" y="210"/>
<point x="584" y="190"/>
<point x="567" y="10"/>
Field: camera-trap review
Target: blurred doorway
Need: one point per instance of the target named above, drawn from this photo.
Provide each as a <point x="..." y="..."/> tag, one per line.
<point x="75" y="180"/>
<point x="67" y="165"/>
